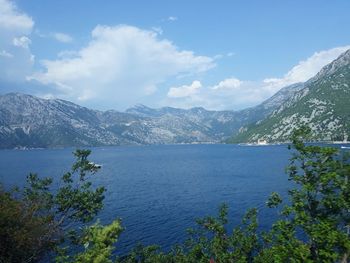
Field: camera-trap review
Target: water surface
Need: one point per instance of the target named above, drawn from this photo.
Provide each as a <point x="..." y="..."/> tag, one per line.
<point x="158" y="191"/>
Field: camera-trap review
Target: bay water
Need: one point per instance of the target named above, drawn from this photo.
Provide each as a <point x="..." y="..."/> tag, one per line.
<point x="158" y="191"/>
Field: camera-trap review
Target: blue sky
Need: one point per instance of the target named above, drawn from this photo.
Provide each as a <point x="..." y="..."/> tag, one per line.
<point x="215" y="54"/>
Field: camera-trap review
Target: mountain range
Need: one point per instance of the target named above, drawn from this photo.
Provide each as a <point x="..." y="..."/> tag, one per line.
<point x="32" y="122"/>
<point x="322" y="102"/>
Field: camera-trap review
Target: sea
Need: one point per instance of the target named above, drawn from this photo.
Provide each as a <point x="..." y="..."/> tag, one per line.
<point x="159" y="191"/>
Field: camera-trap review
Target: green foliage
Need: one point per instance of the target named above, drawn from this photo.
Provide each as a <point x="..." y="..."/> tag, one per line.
<point x="98" y="242"/>
<point x="149" y="254"/>
<point x="320" y="206"/>
<point x="274" y="200"/>
<point x="76" y="199"/>
<point x="23" y="234"/>
<point x="35" y="221"/>
<point x="209" y="241"/>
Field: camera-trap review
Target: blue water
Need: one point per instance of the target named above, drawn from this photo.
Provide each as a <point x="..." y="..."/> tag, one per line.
<point x="159" y="191"/>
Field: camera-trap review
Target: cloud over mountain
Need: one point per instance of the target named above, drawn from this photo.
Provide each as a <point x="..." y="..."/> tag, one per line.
<point x="306" y="69"/>
<point x="185" y="90"/>
<point x="232" y="93"/>
<point x="120" y="63"/>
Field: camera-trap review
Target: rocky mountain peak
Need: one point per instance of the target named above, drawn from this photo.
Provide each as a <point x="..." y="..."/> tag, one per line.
<point x="342" y="60"/>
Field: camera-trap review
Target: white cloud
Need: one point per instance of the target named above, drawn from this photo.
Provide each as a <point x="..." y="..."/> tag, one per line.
<point x="306" y="69"/>
<point x="218" y="56"/>
<point x="232" y="93"/>
<point x="172" y="18"/>
<point x="228" y="84"/>
<point x="5" y="54"/>
<point x="120" y="65"/>
<point x="67" y="54"/>
<point x="22" y="42"/>
<point x="158" y="30"/>
<point x="12" y="19"/>
<point x="15" y="30"/>
<point x="58" y="36"/>
<point x="185" y="90"/>
<point x="61" y="37"/>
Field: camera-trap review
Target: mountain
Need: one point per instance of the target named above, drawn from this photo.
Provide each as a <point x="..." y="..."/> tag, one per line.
<point x="323" y="103"/>
<point x="32" y="122"/>
<point x="218" y="124"/>
<point x="28" y="121"/>
<point x="277" y="101"/>
<point x="211" y="126"/>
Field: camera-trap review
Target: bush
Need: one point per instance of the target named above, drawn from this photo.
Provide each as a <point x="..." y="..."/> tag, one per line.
<point x="36" y="221"/>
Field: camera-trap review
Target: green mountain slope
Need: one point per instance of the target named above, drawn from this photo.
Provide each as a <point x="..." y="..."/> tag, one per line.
<point x="323" y="104"/>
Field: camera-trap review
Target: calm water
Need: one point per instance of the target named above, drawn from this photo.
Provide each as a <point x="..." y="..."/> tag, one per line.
<point x="158" y="191"/>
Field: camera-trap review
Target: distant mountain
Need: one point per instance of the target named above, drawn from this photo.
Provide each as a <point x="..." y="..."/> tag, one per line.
<point x="277" y="101"/>
<point x="210" y="126"/>
<point x="322" y="103"/>
<point x="219" y="124"/>
<point x="28" y="121"/>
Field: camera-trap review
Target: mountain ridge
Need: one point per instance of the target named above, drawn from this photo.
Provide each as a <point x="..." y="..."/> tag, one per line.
<point x="322" y="104"/>
<point x="29" y="121"/>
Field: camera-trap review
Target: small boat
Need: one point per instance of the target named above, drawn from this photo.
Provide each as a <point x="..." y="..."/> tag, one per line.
<point x="98" y="166"/>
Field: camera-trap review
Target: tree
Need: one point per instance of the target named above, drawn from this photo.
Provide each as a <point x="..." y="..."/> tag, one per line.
<point x="22" y="232"/>
<point x="35" y="221"/>
<point x="98" y="242"/>
<point x="314" y="224"/>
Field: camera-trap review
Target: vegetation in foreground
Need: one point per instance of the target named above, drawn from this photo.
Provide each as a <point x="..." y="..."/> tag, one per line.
<point x="39" y="224"/>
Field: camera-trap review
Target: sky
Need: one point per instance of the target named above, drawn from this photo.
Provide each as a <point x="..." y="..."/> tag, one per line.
<point x="113" y="54"/>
